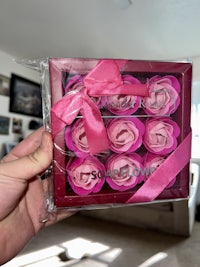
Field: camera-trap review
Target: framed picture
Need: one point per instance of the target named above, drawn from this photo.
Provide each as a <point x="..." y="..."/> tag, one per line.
<point x="25" y="97"/>
<point x="4" y="85"/>
<point x="4" y="125"/>
<point x="17" y="126"/>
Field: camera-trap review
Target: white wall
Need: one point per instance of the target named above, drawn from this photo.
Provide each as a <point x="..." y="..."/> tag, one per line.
<point x="8" y="66"/>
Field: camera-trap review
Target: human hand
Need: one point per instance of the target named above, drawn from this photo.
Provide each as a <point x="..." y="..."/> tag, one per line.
<point x="22" y="193"/>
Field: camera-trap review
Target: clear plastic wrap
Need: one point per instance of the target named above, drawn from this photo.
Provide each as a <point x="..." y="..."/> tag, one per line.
<point x="121" y="131"/>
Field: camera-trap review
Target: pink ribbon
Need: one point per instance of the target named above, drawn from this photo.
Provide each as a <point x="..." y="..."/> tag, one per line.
<point x="104" y="79"/>
<point x="164" y="174"/>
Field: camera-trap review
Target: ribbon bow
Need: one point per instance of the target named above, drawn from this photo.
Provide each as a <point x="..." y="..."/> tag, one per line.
<point x="104" y="79"/>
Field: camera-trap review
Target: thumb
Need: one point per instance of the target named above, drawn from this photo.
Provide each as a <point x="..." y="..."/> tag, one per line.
<point x="32" y="164"/>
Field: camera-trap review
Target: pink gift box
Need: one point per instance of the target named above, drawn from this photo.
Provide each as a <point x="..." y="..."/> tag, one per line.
<point x="155" y="188"/>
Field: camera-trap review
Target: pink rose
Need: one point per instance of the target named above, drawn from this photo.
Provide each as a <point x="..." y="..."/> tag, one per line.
<point x="152" y="162"/>
<point x="76" y="83"/>
<point x="163" y="97"/>
<point x="161" y="135"/>
<point x="124" y="104"/>
<point x="125" y="134"/>
<point x="76" y="140"/>
<point x="124" y="171"/>
<point x="84" y="175"/>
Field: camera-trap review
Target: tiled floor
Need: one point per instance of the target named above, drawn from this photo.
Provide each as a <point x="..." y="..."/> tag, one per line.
<point x="108" y="244"/>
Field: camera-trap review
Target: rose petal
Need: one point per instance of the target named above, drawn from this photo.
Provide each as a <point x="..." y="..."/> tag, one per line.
<point x="164" y="96"/>
<point x="161" y="135"/>
<point x="76" y="83"/>
<point x="83" y="175"/>
<point x="71" y="84"/>
<point x="125" y="134"/>
<point x="76" y="139"/>
<point x="124" y="104"/>
<point x="125" y="171"/>
<point x="152" y="162"/>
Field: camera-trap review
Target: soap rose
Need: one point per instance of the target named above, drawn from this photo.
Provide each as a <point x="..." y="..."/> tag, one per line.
<point x="125" y="134"/>
<point x="76" y="140"/>
<point x="161" y="135"/>
<point x="163" y="97"/>
<point x="124" y="171"/>
<point x="152" y="162"/>
<point x="83" y="175"/>
<point x="124" y="104"/>
<point x="76" y="83"/>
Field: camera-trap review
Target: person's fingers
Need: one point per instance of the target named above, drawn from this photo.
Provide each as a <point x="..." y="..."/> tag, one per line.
<point x="27" y="146"/>
<point x="32" y="164"/>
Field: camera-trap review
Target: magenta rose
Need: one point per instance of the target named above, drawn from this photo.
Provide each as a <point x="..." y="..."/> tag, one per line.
<point x="84" y="175"/>
<point x="124" y="104"/>
<point x="161" y="135"/>
<point x="124" y="171"/>
<point x="152" y="162"/>
<point x="76" y="83"/>
<point x="76" y="140"/>
<point x="125" y="134"/>
<point x="163" y="97"/>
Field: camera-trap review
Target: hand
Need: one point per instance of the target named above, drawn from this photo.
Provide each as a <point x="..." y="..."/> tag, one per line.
<point x="22" y="193"/>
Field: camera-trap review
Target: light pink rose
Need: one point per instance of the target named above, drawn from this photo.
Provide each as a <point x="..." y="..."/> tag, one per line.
<point x="125" y="171"/>
<point x="124" y="104"/>
<point x="84" y="175"/>
<point x="125" y="134"/>
<point x="152" y="162"/>
<point x="161" y="135"/>
<point x="76" y="83"/>
<point x="76" y="140"/>
<point x="163" y="97"/>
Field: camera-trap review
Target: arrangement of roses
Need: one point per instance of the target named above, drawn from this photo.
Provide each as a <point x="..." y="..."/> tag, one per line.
<point x="163" y="96"/>
<point x="124" y="168"/>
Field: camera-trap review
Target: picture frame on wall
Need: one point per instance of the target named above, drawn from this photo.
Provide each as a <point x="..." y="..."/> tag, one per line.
<point x="17" y="125"/>
<point x="4" y="85"/>
<point x="25" y="97"/>
<point x="4" y="125"/>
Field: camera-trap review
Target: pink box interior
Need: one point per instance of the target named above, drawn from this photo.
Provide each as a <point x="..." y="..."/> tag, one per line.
<point x="63" y="195"/>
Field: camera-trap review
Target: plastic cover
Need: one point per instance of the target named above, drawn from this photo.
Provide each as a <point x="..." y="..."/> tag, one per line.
<point x="121" y="131"/>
